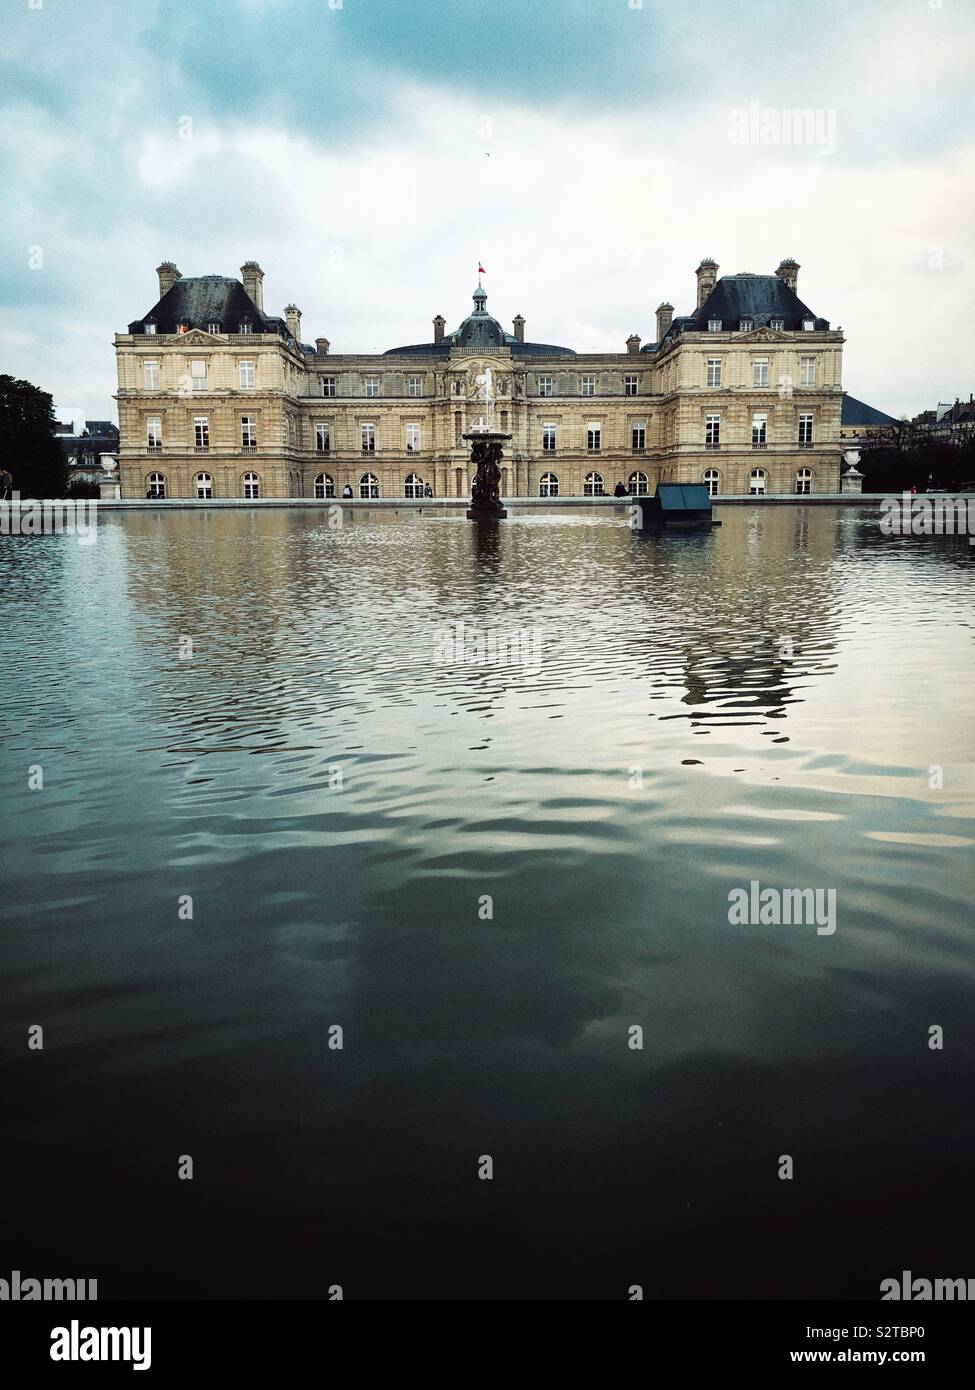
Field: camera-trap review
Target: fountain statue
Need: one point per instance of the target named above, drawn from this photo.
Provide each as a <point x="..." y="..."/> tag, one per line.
<point x="486" y="452"/>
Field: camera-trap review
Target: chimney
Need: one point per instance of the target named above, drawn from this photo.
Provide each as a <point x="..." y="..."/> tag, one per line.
<point x="707" y="278"/>
<point x="322" y="346"/>
<point x="292" y="317"/>
<point x="633" y="343"/>
<point x="168" y="275"/>
<point x="665" y="317"/>
<point x="253" y="277"/>
<point x="439" y="324"/>
<point x="789" y="272"/>
<point x="518" y="324"/>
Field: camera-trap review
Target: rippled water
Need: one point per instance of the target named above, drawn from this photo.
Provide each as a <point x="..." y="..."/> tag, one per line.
<point x="762" y="702"/>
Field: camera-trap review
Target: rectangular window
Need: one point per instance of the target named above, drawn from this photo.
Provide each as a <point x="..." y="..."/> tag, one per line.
<point x="413" y="439"/>
<point x="150" y="376"/>
<point x="777" y="325"/>
<point x="154" y="432"/>
<point x="714" y="371"/>
<point x="368" y="435"/>
<point x="504" y="422"/>
<point x="323" y="437"/>
<point x="213" y="327"/>
<point x="759" y="371"/>
<point x="548" y="439"/>
<point x="629" y="385"/>
<point x="745" y="326"/>
<point x="248" y="432"/>
<point x="805" y="429"/>
<point x="201" y="433"/>
<point x="594" y="434"/>
<point x="458" y="428"/>
<point x="150" y="328"/>
<point x="638" y="435"/>
<point x="588" y="385"/>
<point x="712" y="431"/>
<point x="245" y="375"/>
<point x="544" y="385"/>
<point x="759" y="430"/>
<point x="809" y="325"/>
<point x="714" y="325"/>
<point x="414" y="386"/>
<point x="807" y="371"/>
<point x="328" y="386"/>
<point x="198" y="374"/>
<point x="372" y="386"/>
<point x="246" y="327"/>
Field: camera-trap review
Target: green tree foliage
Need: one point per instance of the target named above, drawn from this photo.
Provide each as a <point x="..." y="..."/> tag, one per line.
<point x="29" y="450"/>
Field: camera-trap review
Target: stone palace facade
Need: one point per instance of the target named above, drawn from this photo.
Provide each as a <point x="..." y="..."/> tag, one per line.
<point x="218" y="399"/>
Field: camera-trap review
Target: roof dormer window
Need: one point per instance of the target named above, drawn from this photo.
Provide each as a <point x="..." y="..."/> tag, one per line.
<point x="777" y="325"/>
<point x="714" y="325"/>
<point x="808" y="325"/>
<point x="746" y="326"/>
<point x="149" y="327"/>
<point x="214" y="326"/>
<point x="246" y="326"/>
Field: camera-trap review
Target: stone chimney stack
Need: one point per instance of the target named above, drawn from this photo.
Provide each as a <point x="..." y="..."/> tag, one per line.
<point x="707" y="278"/>
<point x="253" y="279"/>
<point x="439" y="324"/>
<point x="665" y="317"/>
<point x="789" y="272"/>
<point x="168" y="275"/>
<point x="633" y="343"/>
<point x="292" y="317"/>
<point x="518" y="324"/>
<point x="322" y="346"/>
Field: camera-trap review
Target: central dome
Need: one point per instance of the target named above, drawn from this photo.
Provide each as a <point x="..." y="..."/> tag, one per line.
<point x="480" y="330"/>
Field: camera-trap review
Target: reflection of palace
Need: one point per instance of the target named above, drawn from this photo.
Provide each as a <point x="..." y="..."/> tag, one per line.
<point x="218" y="399"/>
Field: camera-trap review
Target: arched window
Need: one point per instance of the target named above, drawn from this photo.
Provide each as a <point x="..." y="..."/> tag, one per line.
<point x="549" y="485"/>
<point x="156" y="485"/>
<point x="413" y="486"/>
<point x="593" y="485"/>
<point x="368" y="485"/>
<point x="204" y="485"/>
<point x="756" y="482"/>
<point x="252" y="486"/>
<point x="324" y="486"/>
<point x="804" y="481"/>
<point x="711" y="481"/>
<point x="639" y="484"/>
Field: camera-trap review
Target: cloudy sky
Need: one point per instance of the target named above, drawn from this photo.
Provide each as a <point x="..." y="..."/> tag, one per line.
<point x="589" y="152"/>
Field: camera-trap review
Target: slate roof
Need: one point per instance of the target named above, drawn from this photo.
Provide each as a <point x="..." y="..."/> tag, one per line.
<point x="736" y="297"/>
<point x="480" y="330"/>
<point x="859" y="413"/>
<point x="200" y="300"/>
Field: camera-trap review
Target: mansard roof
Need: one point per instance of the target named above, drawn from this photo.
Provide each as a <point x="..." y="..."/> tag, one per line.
<point x="859" y="413"/>
<point x="199" y="300"/>
<point x="759" y="298"/>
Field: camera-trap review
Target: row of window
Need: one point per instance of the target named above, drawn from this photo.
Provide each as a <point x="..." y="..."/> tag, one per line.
<point x="712" y="430"/>
<point x="245" y="326"/>
<point x="760" y="370"/>
<point x="747" y="325"/>
<point x="201" y="433"/>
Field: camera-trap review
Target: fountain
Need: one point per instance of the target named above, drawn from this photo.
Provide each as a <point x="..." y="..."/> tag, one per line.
<point x="486" y="454"/>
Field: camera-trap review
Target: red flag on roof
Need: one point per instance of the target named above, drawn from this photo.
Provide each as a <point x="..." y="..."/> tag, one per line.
<point x="480" y="269"/>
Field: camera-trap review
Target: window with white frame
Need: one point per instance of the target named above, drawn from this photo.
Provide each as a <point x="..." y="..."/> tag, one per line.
<point x="777" y="325"/>
<point x="156" y="485"/>
<point x="807" y="371"/>
<point x="638" y="437"/>
<point x="201" y="433"/>
<point x="154" y="433"/>
<point x="245" y="326"/>
<point x="149" y="329"/>
<point x="592" y="485"/>
<point x="714" y="371"/>
<point x="548" y="439"/>
<point x="150" y="376"/>
<point x="371" y="387"/>
<point x="548" y="485"/>
<point x="809" y="325"/>
<point x="805" y="429"/>
<point x="594" y="436"/>
<point x="588" y="386"/>
<point x="323" y="437"/>
<point x="252" y="486"/>
<point x="714" y="325"/>
<point x="639" y="485"/>
<point x="412" y="439"/>
<point x="759" y="371"/>
<point x="630" y="384"/>
<point x="198" y="374"/>
<point x="212" y="327"/>
<point x="245" y="375"/>
<point x="712" y="430"/>
<point x="745" y="325"/>
<point x="204" y="486"/>
<point x="414" y="386"/>
<point x="368" y="485"/>
<point x="324" y="485"/>
<point x="248" y="431"/>
<point x="367" y="436"/>
<point x="711" y="481"/>
<point x="756" y="482"/>
<point x="803" y="481"/>
<point x="413" y="487"/>
<point x="545" y="385"/>
<point x="328" y="386"/>
<point x="759" y="430"/>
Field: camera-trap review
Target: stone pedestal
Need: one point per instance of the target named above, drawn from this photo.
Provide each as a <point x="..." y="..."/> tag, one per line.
<point x="852" y="479"/>
<point x="108" y="486"/>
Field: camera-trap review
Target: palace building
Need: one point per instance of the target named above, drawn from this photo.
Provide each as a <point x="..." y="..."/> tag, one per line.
<point x="218" y="399"/>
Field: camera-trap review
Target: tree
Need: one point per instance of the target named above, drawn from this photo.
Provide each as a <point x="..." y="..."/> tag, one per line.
<point x="29" y="450"/>
<point x="905" y="456"/>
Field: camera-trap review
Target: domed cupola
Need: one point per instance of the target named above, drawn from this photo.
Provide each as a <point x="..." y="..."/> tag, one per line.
<point x="480" y="330"/>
